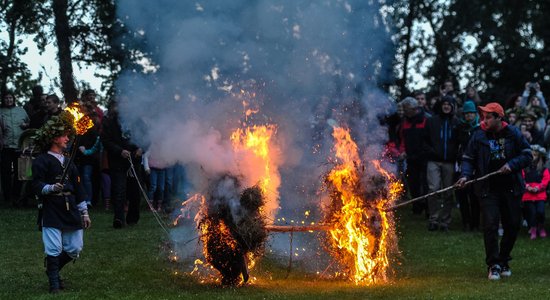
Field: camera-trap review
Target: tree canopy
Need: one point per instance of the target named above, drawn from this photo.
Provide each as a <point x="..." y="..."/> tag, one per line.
<point x="495" y="46"/>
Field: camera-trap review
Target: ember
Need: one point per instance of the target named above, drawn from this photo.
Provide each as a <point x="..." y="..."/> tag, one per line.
<point x="232" y="227"/>
<point x="361" y="231"/>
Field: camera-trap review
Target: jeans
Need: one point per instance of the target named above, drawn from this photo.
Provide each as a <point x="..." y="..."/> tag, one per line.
<point x="86" y="179"/>
<point x="156" y="190"/>
<point x="535" y="212"/>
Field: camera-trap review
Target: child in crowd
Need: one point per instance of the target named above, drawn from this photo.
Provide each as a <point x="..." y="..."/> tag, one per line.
<point x="536" y="177"/>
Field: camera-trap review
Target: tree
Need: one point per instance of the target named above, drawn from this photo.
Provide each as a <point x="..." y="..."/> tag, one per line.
<point x="18" y="20"/>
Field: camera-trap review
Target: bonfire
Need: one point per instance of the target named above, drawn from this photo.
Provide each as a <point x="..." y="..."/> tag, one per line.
<point x="232" y="228"/>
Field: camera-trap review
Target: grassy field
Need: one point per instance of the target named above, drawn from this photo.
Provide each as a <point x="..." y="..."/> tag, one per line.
<point x="131" y="264"/>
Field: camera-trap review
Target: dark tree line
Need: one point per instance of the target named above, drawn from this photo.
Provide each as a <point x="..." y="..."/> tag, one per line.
<point x="505" y="43"/>
<point x="511" y="38"/>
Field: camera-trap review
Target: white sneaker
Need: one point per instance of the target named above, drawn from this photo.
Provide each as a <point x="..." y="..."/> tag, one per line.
<point x="494" y="272"/>
<point x="505" y="272"/>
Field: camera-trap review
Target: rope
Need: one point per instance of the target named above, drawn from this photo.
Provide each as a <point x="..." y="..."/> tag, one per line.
<point x="161" y="222"/>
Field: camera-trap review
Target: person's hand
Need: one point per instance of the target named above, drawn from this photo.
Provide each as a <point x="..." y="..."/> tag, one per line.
<point x="86" y="221"/>
<point x="139" y="152"/>
<point x="402" y="156"/>
<point x="148" y="171"/>
<point x="505" y="169"/>
<point x="537" y="87"/>
<point x="125" y="154"/>
<point x="82" y="149"/>
<point x="527" y="135"/>
<point x="527" y="85"/>
<point x="461" y="182"/>
<point x="24" y="125"/>
<point x="58" y="187"/>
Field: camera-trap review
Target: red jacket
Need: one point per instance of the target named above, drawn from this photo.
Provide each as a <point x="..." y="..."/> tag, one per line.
<point x="541" y="194"/>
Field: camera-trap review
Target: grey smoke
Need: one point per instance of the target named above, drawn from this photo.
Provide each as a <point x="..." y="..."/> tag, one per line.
<point x="301" y="63"/>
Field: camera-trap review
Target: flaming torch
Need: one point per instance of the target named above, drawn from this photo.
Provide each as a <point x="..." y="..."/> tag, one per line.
<point x="81" y="123"/>
<point x="361" y="231"/>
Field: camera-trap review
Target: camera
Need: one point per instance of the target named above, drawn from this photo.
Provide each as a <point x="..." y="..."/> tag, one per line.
<point x="532" y="85"/>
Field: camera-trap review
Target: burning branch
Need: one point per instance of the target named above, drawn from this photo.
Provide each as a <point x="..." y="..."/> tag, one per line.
<point x="81" y="124"/>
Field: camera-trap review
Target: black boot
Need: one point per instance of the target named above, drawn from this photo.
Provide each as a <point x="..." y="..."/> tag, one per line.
<point x="64" y="259"/>
<point x="52" y="270"/>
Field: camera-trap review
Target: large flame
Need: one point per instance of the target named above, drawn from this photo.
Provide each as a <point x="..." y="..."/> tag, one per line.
<point x="361" y="230"/>
<point x="81" y="123"/>
<point x="257" y="141"/>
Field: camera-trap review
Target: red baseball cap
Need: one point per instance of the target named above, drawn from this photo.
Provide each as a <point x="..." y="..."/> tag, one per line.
<point x="492" y="107"/>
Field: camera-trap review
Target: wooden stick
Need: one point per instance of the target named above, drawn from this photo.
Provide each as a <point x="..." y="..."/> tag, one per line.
<point x="449" y="188"/>
<point x="279" y="228"/>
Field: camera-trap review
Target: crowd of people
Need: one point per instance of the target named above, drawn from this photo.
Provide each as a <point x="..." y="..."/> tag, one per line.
<point x="447" y="139"/>
<point x="451" y="139"/>
<point x="102" y="157"/>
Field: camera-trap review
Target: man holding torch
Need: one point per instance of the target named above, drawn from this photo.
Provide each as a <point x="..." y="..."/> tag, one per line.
<point x="497" y="146"/>
<point x="64" y="213"/>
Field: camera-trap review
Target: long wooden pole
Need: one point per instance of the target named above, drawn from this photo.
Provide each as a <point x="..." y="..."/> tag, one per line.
<point x="280" y="228"/>
<point x="449" y="188"/>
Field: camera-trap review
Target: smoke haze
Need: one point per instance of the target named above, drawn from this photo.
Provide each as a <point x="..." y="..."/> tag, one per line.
<point x="304" y="65"/>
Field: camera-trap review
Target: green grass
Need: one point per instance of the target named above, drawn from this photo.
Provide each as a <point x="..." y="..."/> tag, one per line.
<point x="131" y="264"/>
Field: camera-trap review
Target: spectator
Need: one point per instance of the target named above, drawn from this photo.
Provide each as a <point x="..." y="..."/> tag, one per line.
<point x="119" y="152"/>
<point x="471" y="95"/>
<point x="500" y="147"/>
<point x="411" y="137"/>
<point x="15" y="120"/>
<point x="34" y="104"/>
<point x="441" y="149"/>
<point x="529" y="128"/>
<point x="536" y="180"/>
<point x="423" y="103"/>
<point x="533" y="100"/>
<point x="467" y="199"/>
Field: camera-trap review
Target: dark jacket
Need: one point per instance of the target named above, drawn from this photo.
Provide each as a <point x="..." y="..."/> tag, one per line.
<point x="476" y="158"/>
<point x="411" y="136"/>
<point x="46" y="169"/>
<point x="114" y="141"/>
<point x="441" y="142"/>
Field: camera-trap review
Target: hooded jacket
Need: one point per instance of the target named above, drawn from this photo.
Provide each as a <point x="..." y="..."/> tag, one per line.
<point x="441" y="140"/>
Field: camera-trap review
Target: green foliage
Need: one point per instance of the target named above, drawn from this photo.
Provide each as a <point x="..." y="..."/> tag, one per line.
<point x="130" y="264"/>
<point x="508" y="49"/>
<point x="54" y="127"/>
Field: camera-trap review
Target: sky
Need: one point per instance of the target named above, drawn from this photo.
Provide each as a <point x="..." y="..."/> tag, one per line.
<point x="46" y="63"/>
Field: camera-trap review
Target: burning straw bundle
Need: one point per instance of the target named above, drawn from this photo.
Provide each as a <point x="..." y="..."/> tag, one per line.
<point x="360" y="235"/>
<point x="232" y="227"/>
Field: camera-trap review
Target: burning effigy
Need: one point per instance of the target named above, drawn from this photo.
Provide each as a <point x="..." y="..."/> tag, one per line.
<point x="232" y="228"/>
<point x="361" y="233"/>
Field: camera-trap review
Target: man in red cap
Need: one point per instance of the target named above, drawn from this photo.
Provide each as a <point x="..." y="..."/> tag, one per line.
<point x="497" y="146"/>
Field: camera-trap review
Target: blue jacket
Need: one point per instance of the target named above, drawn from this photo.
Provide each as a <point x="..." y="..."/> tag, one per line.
<point x="475" y="160"/>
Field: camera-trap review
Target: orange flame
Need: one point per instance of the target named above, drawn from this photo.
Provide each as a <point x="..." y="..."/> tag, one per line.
<point x="359" y="237"/>
<point x="81" y="122"/>
<point x="258" y="140"/>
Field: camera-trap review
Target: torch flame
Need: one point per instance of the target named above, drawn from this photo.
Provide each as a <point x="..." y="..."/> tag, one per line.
<point x="81" y="122"/>
<point x="359" y="237"/>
